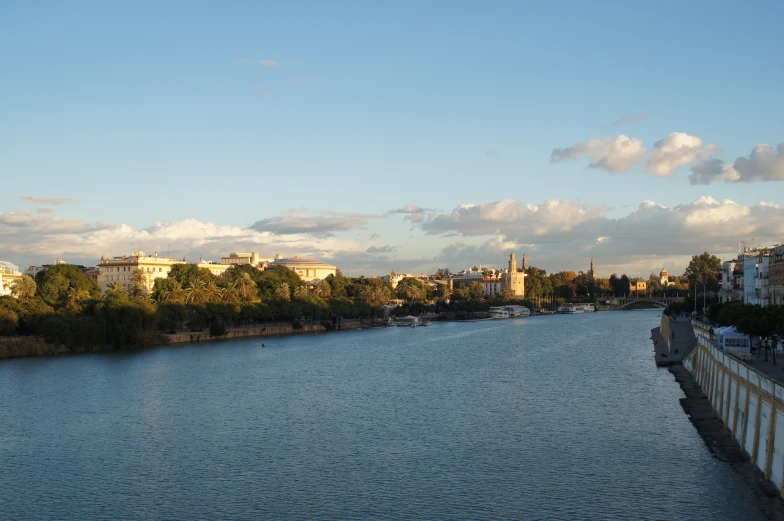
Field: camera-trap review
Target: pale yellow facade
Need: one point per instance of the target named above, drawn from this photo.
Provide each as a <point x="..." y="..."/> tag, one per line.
<point x="121" y="269"/>
<point x="307" y="269"/>
<point x="215" y="268"/>
<point x="513" y="279"/>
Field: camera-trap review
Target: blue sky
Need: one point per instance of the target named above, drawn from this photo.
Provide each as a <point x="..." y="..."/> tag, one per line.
<point x="243" y="113"/>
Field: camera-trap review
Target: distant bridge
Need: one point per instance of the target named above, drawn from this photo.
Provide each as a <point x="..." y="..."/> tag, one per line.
<point x="624" y="302"/>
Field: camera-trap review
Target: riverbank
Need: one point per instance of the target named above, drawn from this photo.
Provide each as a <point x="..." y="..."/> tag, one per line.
<point x="31" y="346"/>
<point x="723" y="446"/>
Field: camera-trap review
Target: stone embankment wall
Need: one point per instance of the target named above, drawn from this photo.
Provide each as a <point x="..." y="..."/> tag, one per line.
<point x="247" y="332"/>
<point x="749" y="404"/>
<point x="666" y="330"/>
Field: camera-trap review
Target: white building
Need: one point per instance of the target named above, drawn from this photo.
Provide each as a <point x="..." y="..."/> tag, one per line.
<point x="756" y="279"/>
<point x="238" y="258"/>
<point x="8" y="273"/>
<point x="121" y="269"/>
<point x="307" y="269"/>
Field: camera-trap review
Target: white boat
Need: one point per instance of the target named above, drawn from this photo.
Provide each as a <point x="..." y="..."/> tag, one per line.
<point x="409" y="321"/>
<point x="517" y="311"/>
<point x="571" y="309"/>
<point x="499" y="312"/>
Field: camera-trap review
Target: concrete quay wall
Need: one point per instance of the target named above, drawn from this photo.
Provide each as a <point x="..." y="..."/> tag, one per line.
<point x="749" y="404"/>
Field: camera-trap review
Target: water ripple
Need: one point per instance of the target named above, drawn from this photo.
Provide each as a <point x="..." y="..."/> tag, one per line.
<point x="558" y="417"/>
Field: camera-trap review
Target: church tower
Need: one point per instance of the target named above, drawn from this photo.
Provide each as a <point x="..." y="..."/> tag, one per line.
<point x="525" y="263"/>
<point x="592" y="273"/>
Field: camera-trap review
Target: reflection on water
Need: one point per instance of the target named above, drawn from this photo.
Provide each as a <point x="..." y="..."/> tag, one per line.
<point x="556" y="417"/>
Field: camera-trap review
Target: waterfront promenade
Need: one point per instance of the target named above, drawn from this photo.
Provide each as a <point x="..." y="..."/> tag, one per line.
<point x="672" y="340"/>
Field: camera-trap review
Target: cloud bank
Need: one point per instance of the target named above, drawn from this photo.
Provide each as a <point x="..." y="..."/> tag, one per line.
<point x="762" y="164"/>
<point x="556" y="234"/>
<point x="612" y="154"/>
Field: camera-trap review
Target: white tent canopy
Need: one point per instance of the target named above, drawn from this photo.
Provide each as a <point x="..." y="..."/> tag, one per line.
<point x="729" y="337"/>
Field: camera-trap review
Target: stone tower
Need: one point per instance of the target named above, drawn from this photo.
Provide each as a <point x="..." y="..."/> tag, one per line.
<point x="592" y="273"/>
<point x="525" y="263"/>
<point x="513" y="279"/>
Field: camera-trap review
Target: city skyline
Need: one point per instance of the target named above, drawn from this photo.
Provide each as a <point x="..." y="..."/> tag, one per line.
<point x="380" y="141"/>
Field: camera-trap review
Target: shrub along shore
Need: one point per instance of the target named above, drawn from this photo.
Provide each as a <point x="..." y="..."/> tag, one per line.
<point x="64" y="311"/>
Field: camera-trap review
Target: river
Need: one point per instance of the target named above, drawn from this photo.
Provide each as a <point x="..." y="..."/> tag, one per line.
<point x="555" y="417"/>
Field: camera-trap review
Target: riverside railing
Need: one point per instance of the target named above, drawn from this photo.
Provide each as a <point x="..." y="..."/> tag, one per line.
<point x="749" y="403"/>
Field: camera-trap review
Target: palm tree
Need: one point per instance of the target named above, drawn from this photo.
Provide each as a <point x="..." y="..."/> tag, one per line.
<point x="462" y="293"/>
<point x="114" y="287"/>
<point x="137" y="290"/>
<point x="283" y="291"/>
<point x="374" y="295"/>
<point x="77" y="296"/>
<point x="211" y="292"/>
<point x="246" y="288"/>
<point x="229" y="294"/>
<point x="301" y="292"/>
<point x="194" y="292"/>
<point x="323" y="289"/>
<point x="23" y="288"/>
<point x="139" y="279"/>
<point x="174" y="293"/>
<point x="406" y="289"/>
<point x="382" y="295"/>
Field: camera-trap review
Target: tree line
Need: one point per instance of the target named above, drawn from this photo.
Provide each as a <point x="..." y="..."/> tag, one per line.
<point x="66" y="307"/>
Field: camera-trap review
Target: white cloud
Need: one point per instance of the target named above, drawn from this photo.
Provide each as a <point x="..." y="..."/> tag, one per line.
<point x="268" y="63"/>
<point x="381" y="249"/>
<point x="515" y="219"/>
<point x="762" y="164"/>
<point x="33" y="237"/>
<point x="557" y="235"/>
<point x="676" y="150"/>
<point x="613" y="154"/>
<point x="632" y="118"/>
<point x="320" y="224"/>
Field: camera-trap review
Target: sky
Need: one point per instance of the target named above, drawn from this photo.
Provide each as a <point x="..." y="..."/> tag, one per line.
<point x="383" y="136"/>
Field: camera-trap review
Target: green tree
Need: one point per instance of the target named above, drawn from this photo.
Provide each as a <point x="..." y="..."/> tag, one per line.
<point x="324" y="290"/>
<point x="246" y="288"/>
<point x="443" y="273"/>
<point x="411" y="289"/>
<point x="271" y="279"/>
<point x="301" y="293"/>
<point x="475" y="290"/>
<point x="194" y="292"/>
<point x="23" y="288"/>
<point x="114" y="287"/>
<point x="55" y="283"/>
<point x="283" y="291"/>
<point x="704" y="269"/>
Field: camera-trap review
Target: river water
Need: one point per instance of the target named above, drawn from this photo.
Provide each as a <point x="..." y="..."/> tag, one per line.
<point x="559" y="417"/>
